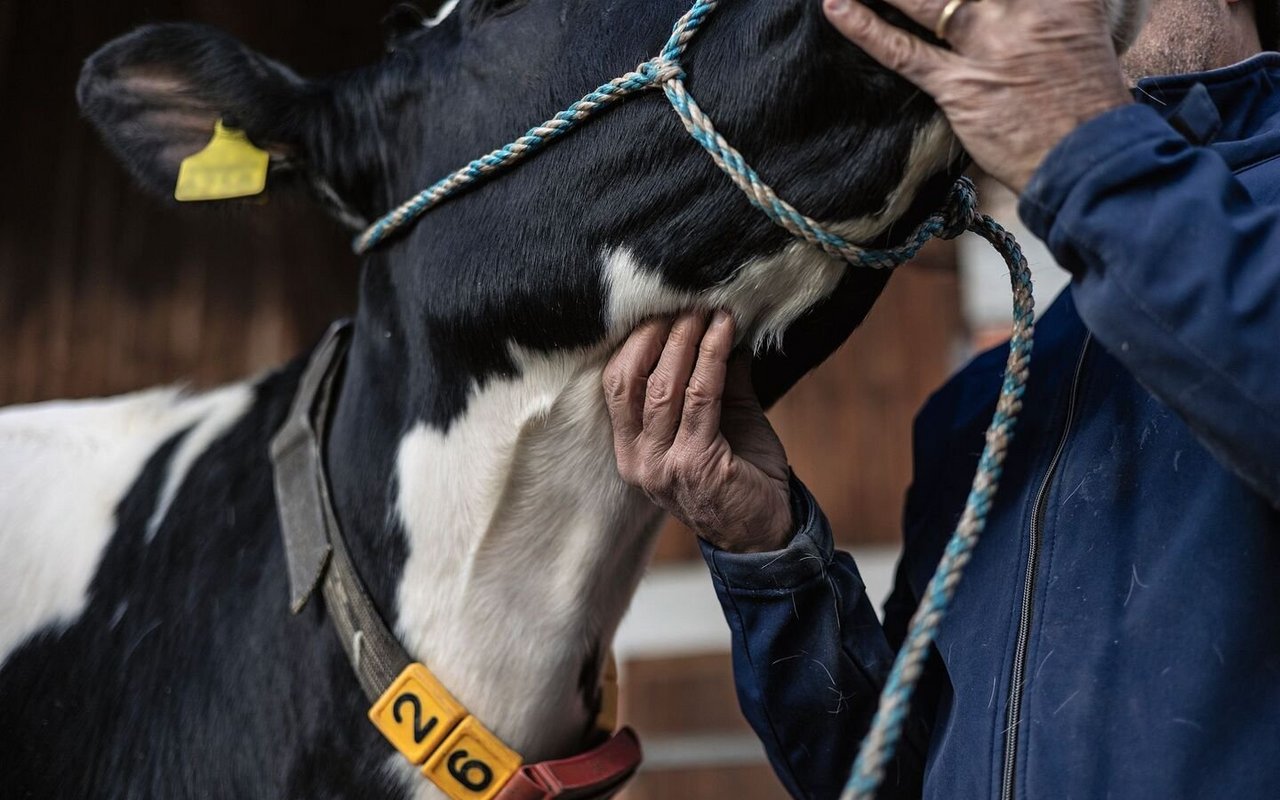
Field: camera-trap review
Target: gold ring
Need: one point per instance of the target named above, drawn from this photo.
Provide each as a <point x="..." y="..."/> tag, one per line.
<point x="940" y="30"/>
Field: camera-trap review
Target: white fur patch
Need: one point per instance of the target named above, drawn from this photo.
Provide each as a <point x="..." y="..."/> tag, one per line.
<point x="442" y="13"/>
<point x="932" y="151"/>
<point x="768" y="294"/>
<point x="64" y="467"/>
<point x="524" y="547"/>
<point x="219" y="416"/>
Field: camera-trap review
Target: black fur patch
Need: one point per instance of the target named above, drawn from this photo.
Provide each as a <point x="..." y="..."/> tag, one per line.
<point x="186" y="676"/>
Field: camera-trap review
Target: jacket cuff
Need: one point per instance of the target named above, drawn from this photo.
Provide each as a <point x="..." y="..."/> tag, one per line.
<point x="1088" y="147"/>
<point x="803" y="560"/>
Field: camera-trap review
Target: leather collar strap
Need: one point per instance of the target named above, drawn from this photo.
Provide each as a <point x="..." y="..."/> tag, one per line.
<point x="415" y="712"/>
<point x="315" y="551"/>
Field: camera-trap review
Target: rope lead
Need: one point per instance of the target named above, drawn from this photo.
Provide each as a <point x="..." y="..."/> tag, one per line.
<point x="957" y="216"/>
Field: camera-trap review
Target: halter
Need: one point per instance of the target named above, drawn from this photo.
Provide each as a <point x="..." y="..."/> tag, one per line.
<point x="959" y="214"/>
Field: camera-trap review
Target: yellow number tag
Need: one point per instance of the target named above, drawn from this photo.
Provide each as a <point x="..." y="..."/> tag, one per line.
<point x="416" y="713"/>
<point x="473" y="764"/>
<point x="229" y="166"/>
<point x="607" y="719"/>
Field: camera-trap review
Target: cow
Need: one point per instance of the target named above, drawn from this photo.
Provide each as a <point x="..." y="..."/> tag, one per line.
<point x="147" y="644"/>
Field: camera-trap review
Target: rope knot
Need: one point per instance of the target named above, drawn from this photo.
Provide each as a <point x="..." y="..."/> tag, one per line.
<point x="661" y="70"/>
<point x="961" y="210"/>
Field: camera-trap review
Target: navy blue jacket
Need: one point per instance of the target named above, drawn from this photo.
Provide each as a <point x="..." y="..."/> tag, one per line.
<point x="1117" y="634"/>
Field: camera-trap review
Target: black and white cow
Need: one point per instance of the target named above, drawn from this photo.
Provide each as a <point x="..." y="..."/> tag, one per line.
<point x="146" y="643"/>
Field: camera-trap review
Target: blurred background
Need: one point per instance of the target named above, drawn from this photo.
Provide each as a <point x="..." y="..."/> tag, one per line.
<point x="104" y="290"/>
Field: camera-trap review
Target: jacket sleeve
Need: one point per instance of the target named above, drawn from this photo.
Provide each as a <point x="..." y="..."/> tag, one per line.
<point x="809" y="657"/>
<point x="1177" y="273"/>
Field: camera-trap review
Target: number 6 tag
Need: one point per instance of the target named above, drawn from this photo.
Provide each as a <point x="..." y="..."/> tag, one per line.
<point x="473" y="764"/>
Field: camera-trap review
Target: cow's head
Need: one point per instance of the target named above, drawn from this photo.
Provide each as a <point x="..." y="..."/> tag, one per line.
<point x="580" y="241"/>
<point x="588" y="237"/>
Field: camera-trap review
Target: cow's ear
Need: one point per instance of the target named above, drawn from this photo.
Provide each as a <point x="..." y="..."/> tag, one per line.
<point x="155" y="95"/>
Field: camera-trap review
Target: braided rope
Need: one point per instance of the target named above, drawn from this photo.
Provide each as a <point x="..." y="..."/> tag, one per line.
<point x="895" y="698"/>
<point x="656" y="72"/>
<point x="958" y="215"/>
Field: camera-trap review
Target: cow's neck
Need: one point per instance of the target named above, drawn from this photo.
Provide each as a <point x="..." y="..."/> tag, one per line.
<point x="476" y="477"/>
<point x="501" y="542"/>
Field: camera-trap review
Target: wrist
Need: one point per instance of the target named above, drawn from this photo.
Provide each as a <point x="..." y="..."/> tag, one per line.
<point x="771" y="529"/>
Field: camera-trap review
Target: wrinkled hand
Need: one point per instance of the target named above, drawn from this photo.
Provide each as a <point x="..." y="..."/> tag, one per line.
<point x="689" y="431"/>
<point x="1021" y="74"/>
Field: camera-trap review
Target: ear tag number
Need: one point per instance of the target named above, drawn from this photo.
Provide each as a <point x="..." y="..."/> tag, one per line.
<point x="229" y="166"/>
<point x="416" y="713"/>
<point x="472" y="764"/>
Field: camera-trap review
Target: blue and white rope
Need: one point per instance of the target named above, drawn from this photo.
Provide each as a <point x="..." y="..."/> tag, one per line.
<point x="878" y="747"/>
<point x="959" y="214"/>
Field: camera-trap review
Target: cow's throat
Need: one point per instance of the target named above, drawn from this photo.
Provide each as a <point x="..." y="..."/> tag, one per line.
<point x="524" y="548"/>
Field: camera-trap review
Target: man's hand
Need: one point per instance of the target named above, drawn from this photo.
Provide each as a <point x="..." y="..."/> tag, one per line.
<point x="1021" y="74"/>
<point x="689" y="431"/>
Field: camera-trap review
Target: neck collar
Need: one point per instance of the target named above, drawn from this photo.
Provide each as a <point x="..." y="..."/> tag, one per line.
<point x="411" y="707"/>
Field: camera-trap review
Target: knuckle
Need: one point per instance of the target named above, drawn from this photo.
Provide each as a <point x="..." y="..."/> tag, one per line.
<point x="680" y="335"/>
<point x="725" y="470"/>
<point x="615" y="386"/>
<point x="900" y="53"/>
<point x="856" y="24"/>
<point x="713" y="349"/>
<point x="699" y="399"/>
<point x="659" y="392"/>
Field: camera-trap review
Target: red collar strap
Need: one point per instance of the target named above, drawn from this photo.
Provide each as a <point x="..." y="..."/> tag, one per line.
<point x="596" y="774"/>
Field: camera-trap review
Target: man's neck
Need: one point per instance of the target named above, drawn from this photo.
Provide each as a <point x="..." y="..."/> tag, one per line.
<point x="1186" y="36"/>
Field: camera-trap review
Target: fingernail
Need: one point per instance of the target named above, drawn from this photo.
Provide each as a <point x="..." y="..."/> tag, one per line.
<point x="720" y="318"/>
<point x="836" y="6"/>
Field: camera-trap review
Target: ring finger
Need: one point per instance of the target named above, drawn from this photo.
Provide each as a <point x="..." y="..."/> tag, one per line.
<point x="932" y="14"/>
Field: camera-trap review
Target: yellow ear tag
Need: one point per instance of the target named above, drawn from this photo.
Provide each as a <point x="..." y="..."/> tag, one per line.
<point x="229" y="166"/>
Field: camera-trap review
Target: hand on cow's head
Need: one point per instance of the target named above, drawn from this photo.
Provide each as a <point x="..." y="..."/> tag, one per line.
<point x="155" y="94"/>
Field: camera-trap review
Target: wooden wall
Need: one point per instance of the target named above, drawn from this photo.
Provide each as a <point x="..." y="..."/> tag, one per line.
<point x="103" y="290"/>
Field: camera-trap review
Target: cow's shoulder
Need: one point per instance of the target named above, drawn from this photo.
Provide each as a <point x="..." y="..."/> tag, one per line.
<point x="66" y="467"/>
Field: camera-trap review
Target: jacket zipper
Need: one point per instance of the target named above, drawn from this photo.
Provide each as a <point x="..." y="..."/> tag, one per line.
<point x="1014" y="716"/>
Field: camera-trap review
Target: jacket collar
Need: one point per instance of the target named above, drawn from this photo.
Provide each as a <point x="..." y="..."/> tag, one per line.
<point x="1235" y="110"/>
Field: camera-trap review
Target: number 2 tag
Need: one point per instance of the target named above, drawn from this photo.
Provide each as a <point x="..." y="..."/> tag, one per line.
<point x="416" y="713"/>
